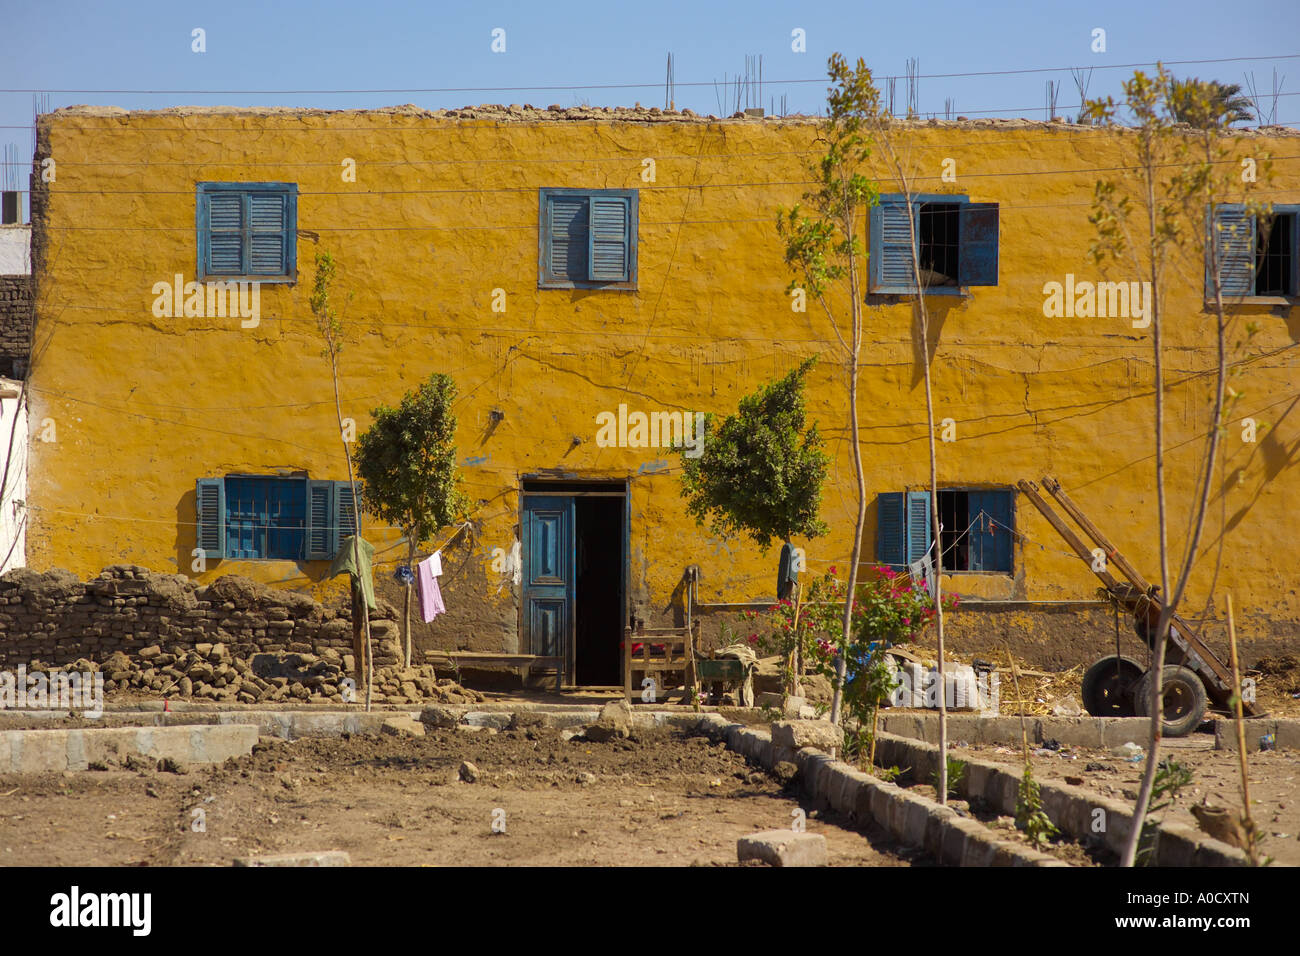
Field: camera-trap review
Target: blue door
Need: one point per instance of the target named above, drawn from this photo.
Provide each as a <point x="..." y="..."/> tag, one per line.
<point x="548" y="573"/>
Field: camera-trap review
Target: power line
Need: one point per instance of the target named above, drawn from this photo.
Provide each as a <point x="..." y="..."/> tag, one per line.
<point x="639" y="86"/>
<point x="1018" y="174"/>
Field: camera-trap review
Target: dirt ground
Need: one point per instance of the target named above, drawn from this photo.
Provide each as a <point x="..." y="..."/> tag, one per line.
<point x="659" y="799"/>
<point x="1274" y="783"/>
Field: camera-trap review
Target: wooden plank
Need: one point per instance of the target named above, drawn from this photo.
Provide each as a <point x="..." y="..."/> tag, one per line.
<point x="1030" y="491"/>
<point x="1185" y="637"/>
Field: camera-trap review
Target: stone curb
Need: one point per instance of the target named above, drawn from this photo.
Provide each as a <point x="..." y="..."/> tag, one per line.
<point x="910" y="818"/>
<point x="1285" y="731"/>
<point x="1072" y="809"/>
<point x="38" y="751"/>
<point x="1094" y="732"/>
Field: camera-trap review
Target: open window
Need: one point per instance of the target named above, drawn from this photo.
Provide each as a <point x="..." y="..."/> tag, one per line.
<point x="1257" y="254"/>
<point x="977" y="529"/>
<point x="956" y="244"/>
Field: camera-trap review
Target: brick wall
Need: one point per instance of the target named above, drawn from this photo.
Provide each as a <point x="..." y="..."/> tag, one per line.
<point x="15" y="324"/>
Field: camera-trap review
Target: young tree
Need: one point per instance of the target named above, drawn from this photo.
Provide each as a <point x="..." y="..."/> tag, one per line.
<point x="761" y="472"/>
<point x="824" y="247"/>
<point x="331" y="329"/>
<point x="407" y="461"/>
<point x="1179" y="178"/>
<point x="827" y="249"/>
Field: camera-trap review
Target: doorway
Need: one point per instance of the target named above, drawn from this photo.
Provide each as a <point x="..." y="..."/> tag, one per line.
<point x="574" y="547"/>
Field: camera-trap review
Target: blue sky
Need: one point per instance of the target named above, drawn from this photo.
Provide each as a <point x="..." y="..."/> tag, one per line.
<point x="350" y="45"/>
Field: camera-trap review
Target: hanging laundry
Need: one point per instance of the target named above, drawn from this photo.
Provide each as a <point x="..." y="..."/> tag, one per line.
<point x="435" y="564"/>
<point x="430" y="595"/>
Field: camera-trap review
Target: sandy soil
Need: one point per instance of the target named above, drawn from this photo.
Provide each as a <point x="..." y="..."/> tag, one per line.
<point x="660" y="799"/>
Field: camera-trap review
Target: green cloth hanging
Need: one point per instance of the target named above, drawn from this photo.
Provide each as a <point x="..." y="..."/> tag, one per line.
<point x="343" y="561"/>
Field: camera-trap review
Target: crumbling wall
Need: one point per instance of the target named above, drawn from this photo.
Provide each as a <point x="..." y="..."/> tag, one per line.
<point x="15" y="324"/>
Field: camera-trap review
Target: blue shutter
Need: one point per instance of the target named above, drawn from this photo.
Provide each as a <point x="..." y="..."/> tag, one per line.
<point x="919" y="525"/>
<point x="247" y="230"/>
<point x="977" y="254"/>
<point x="1234" y="242"/>
<point x="610" y="246"/>
<point x="320" y="520"/>
<point x="224" y="233"/>
<point x="990" y="531"/>
<point x="267" y="234"/>
<point x="890" y="263"/>
<point x="891" y="533"/>
<point x="210" y="512"/>
<point x="567" y="238"/>
<point x="345" y="515"/>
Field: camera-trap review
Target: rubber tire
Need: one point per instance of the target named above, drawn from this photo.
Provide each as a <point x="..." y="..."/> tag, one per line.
<point x="1184" y="682"/>
<point x="1101" y="696"/>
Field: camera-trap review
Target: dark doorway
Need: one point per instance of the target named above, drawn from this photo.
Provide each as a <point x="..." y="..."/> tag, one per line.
<point x="598" y="623"/>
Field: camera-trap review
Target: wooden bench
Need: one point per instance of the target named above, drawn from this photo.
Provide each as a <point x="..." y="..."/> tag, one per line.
<point x="521" y="664"/>
<point x="663" y="650"/>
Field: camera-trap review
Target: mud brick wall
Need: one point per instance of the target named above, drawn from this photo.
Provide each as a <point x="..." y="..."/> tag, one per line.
<point x="15" y="324"/>
<point x="55" y="618"/>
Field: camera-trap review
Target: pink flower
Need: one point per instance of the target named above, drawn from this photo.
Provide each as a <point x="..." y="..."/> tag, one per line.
<point x="907" y="620"/>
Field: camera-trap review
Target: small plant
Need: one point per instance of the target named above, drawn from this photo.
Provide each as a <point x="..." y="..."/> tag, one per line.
<point x="1171" y="777"/>
<point x="889" y="774"/>
<point x="1030" y="816"/>
<point x="956" y="773"/>
<point x="858" y="745"/>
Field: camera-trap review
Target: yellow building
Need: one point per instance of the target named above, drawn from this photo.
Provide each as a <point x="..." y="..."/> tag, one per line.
<point x="573" y="268"/>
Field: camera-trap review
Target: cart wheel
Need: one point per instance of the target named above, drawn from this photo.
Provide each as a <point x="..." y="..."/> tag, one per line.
<point x="1184" y="700"/>
<point x="1108" y="686"/>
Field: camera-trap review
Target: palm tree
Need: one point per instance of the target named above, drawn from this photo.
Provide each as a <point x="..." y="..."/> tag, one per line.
<point x="1206" y="104"/>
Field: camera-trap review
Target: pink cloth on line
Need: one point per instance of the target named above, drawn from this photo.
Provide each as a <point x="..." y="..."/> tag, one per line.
<point x="430" y="595"/>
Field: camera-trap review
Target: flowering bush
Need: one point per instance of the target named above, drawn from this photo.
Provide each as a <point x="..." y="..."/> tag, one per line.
<point x="889" y="608"/>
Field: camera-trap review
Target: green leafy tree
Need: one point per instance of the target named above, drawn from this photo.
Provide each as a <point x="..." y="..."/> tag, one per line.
<point x="761" y="472"/>
<point x="407" y="460"/>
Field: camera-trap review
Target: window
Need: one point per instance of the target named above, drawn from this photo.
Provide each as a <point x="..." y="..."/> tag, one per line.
<point x="1257" y="254"/>
<point x="263" y="517"/>
<point x="977" y="529"/>
<point x="587" y="239"/>
<point x="247" y="231"/>
<point x="957" y="244"/>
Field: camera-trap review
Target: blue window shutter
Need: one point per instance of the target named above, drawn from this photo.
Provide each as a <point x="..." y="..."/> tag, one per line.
<point x="247" y="231"/>
<point x="990" y="531"/>
<point x="891" y="534"/>
<point x="224" y="233"/>
<point x="977" y="256"/>
<point x="345" y="514"/>
<point x="267" y="234"/>
<point x="919" y="525"/>
<point x="1234" y="243"/>
<point x="567" y="238"/>
<point x="210" y="508"/>
<point x="890" y="263"/>
<point x="320" y="520"/>
<point x="610" y="243"/>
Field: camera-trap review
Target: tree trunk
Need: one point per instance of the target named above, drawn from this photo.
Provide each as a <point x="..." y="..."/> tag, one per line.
<point x="855" y="351"/>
